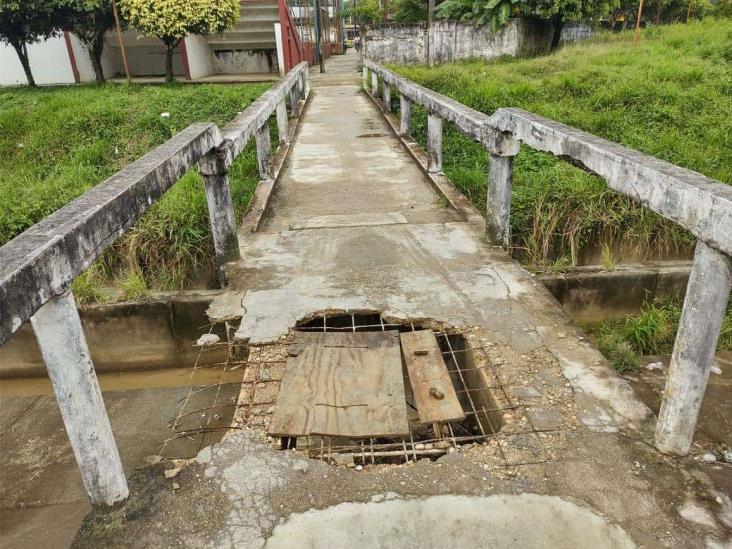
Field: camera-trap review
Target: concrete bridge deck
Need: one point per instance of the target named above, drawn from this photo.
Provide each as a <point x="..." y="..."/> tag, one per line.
<point x="355" y="225"/>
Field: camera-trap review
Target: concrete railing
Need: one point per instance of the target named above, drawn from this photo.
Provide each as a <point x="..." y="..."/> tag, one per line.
<point x="701" y="205"/>
<point x="38" y="266"/>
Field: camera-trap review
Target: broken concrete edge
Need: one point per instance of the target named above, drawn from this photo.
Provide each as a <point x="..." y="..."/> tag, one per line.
<point x="152" y="334"/>
<point x="698" y="203"/>
<point x="259" y="204"/>
<point x="41" y="262"/>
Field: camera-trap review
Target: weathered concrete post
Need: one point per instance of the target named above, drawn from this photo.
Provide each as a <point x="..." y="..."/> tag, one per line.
<point x="62" y="343"/>
<point x="365" y="73"/>
<point x="374" y="84"/>
<point x="264" y="151"/>
<point x="434" y="143"/>
<point x="696" y="340"/>
<point x="306" y="82"/>
<point x="282" y="123"/>
<point x="498" y="207"/>
<point x="223" y="222"/>
<point x="386" y="95"/>
<point x="405" y="115"/>
<point x="294" y="101"/>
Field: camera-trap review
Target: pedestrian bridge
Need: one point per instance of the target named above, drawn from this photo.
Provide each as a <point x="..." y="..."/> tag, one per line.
<point x="352" y="217"/>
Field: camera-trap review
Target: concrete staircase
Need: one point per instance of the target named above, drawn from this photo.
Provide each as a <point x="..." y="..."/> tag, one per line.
<point x="247" y="48"/>
<point x="254" y="31"/>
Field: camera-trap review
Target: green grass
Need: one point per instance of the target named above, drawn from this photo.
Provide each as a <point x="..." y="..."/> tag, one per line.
<point x="650" y="332"/>
<point x="671" y="97"/>
<point x="56" y="143"/>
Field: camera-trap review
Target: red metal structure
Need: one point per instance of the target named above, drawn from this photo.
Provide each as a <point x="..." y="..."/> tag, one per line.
<point x="293" y="49"/>
<point x="297" y="18"/>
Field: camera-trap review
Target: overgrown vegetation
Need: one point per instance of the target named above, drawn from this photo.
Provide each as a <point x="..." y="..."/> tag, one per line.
<point x="56" y="143"/>
<point x="671" y="97"/>
<point x="650" y="332"/>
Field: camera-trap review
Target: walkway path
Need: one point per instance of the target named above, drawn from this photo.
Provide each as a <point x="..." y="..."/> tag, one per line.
<point x="355" y="225"/>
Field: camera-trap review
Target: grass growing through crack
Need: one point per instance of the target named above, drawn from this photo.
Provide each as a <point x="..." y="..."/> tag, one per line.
<point x="58" y="142"/>
<point x="670" y="97"/>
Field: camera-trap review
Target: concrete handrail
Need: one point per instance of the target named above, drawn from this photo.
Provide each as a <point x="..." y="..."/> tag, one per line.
<point x="698" y="203"/>
<point x="39" y="265"/>
<point x="701" y="205"/>
<point x="41" y="262"/>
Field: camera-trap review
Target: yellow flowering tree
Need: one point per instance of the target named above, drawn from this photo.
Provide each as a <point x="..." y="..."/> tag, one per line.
<point x="173" y="20"/>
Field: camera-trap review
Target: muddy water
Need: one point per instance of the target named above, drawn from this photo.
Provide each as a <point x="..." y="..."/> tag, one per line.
<point x="149" y="379"/>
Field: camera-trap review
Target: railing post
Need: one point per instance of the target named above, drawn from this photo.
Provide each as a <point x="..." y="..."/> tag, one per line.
<point x="696" y="340"/>
<point x="282" y="123"/>
<point x="386" y="95"/>
<point x="498" y="207"/>
<point x="405" y="115"/>
<point x="222" y="218"/>
<point x="264" y="151"/>
<point x="63" y="346"/>
<point x="294" y="101"/>
<point x="306" y="82"/>
<point x="434" y="143"/>
<point x="365" y="73"/>
<point x="374" y="84"/>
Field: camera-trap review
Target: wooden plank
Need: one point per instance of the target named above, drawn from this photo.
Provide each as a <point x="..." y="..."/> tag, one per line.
<point x="433" y="390"/>
<point x="342" y="384"/>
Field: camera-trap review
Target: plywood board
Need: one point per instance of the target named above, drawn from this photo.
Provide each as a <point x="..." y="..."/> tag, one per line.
<point x="433" y="390"/>
<point x="342" y="384"/>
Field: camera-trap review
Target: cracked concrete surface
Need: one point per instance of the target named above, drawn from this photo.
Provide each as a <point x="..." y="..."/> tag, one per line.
<point x="355" y="225"/>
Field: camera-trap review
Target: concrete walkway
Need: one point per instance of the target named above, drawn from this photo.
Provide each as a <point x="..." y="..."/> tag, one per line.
<point x="355" y="225"/>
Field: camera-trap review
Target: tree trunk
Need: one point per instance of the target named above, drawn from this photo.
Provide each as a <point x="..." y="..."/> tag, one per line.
<point x="22" y="50"/>
<point x="95" y="55"/>
<point x="363" y="41"/>
<point x="558" y="23"/>
<point x="169" y="47"/>
<point x="659" y="8"/>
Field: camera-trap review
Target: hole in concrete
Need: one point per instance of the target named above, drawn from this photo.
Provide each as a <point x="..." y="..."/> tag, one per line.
<point x="471" y="380"/>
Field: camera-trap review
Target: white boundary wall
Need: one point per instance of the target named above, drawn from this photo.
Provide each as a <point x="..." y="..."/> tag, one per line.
<point x="49" y="61"/>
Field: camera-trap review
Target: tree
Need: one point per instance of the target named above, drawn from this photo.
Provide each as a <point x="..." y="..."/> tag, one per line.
<point x="363" y="13"/>
<point x="498" y="12"/>
<point x="24" y="22"/>
<point x="173" y="20"/>
<point x="561" y="11"/>
<point x="410" y="11"/>
<point x="495" y="13"/>
<point x="89" y="20"/>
